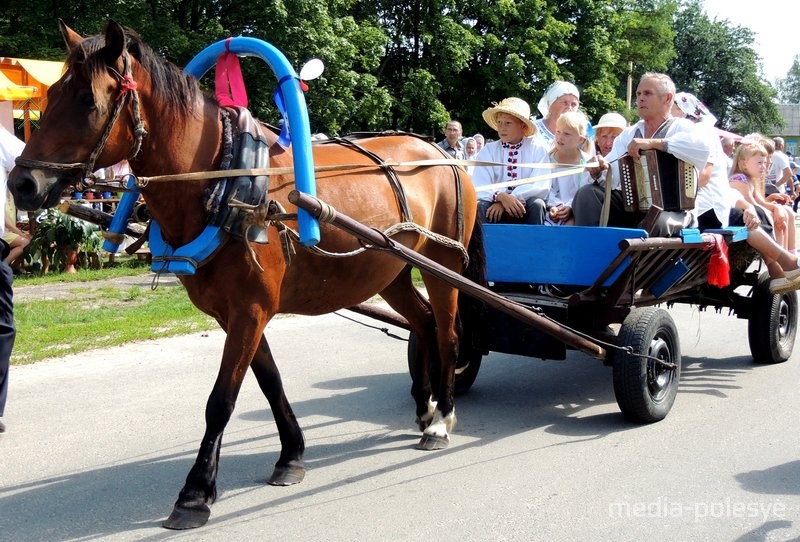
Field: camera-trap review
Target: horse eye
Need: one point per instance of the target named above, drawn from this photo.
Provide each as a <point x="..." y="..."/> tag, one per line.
<point x="86" y="98"/>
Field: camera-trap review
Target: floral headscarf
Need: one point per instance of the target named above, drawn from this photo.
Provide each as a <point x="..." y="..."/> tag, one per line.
<point x="694" y="109"/>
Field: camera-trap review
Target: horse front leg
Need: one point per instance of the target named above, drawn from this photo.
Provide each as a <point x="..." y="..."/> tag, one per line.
<point x="192" y="509"/>
<point x="289" y="469"/>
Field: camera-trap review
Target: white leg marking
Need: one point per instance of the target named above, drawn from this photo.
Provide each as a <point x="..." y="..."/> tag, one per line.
<point x="442" y="425"/>
<point x="425" y="420"/>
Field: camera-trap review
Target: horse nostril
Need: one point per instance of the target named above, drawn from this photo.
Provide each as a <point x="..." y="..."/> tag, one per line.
<point x="22" y="185"/>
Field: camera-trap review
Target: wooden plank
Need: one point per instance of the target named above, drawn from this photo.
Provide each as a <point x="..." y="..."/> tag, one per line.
<point x="573" y="255"/>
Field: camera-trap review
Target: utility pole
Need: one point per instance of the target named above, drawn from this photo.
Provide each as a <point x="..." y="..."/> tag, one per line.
<point x="630" y="85"/>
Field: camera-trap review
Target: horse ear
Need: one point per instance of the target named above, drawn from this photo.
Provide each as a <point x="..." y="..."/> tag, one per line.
<point x="71" y="38"/>
<point x="115" y="42"/>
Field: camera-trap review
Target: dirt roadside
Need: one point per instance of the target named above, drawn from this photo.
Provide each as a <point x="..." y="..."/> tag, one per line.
<point x="62" y="290"/>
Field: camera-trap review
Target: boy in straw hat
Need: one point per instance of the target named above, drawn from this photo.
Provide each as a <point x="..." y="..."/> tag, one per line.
<point x="520" y="204"/>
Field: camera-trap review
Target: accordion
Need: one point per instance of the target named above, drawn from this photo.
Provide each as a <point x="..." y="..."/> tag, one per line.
<point x="657" y="179"/>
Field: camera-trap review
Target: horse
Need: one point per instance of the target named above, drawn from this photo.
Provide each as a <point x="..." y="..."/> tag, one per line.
<point x="169" y="126"/>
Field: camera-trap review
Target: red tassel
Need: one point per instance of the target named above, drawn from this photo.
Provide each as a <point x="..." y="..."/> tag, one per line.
<point x="719" y="269"/>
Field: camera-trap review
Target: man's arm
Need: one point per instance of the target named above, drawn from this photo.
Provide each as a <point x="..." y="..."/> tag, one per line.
<point x="786" y="178"/>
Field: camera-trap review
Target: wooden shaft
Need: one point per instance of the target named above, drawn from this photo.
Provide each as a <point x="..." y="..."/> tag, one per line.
<point x="520" y="312"/>
<point x="95" y="216"/>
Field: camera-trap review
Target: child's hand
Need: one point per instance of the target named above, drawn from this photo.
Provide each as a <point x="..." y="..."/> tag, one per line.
<point x="751" y="219"/>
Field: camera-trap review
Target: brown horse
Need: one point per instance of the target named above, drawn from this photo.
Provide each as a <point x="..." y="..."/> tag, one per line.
<point x="184" y="133"/>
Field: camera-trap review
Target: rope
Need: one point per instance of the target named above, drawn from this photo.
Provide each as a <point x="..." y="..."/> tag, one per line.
<point x="288" y="170"/>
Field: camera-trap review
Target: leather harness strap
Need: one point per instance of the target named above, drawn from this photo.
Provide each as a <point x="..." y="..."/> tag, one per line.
<point x="391" y="174"/>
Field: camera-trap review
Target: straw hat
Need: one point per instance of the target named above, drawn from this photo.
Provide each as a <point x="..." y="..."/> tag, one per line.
<point x="612" y="120"/>
<point x="516" y="107"/>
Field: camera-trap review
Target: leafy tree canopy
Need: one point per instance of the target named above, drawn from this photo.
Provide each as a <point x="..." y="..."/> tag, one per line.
<point x="789" y="87"/>
<point x="412" y="65"/>
<point x="716" y="62"/>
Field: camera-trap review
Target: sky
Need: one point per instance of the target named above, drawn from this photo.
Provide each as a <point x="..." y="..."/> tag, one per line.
<point x="776" y="25"/>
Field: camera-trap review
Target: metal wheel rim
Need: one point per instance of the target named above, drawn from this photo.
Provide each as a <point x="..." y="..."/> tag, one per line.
<point x="659" y="377"/>
<point x="784" y="313"/>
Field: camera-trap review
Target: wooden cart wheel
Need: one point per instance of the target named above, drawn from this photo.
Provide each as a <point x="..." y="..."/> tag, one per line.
<point x="645" y="389"/>
<point x="467" y="367"/>
<point x="772" y="326"/>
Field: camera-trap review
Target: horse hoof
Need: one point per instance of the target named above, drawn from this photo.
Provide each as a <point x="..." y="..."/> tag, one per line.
<point x="433" y="442"/>
<point x="187" y="518"/>
<point x="287" y="476"/>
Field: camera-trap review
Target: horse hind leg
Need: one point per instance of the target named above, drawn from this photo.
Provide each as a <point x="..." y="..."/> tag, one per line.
<point x="406" y="300"/>
<point x="289" y="469"/>
<point x="444" y="304"/>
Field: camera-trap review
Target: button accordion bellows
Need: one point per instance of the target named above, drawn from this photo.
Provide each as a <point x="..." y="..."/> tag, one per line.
<point x="659" y="179"/>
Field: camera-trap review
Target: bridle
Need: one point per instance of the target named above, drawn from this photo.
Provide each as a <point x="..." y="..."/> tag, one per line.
<point x="127" y="87"/>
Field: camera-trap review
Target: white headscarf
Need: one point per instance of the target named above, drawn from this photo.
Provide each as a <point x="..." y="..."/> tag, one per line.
<point x="553" y="93"/>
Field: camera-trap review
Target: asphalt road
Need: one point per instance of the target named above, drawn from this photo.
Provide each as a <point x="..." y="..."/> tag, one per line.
<point x="99" y="445"/>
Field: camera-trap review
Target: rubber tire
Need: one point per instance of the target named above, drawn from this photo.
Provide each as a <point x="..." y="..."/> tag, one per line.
<point x="645" y="391"/>
<point x="467" y="367"/>
<point x="772" y="326"/>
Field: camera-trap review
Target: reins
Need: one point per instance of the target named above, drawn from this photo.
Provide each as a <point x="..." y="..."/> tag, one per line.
<point x="288" y="170"/>
<point x="127" y="87"/>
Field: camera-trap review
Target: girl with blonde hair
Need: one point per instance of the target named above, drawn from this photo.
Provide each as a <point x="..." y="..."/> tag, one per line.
<point x="750" y="163"/>
<point x="749" y="166"/>
<point x="570" y="146"/>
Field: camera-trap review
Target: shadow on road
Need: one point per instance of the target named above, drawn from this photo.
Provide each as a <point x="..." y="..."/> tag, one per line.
<point x="512" y="395"/>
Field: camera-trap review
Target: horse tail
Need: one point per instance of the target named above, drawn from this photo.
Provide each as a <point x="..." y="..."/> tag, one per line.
<point x="472" y="311"/>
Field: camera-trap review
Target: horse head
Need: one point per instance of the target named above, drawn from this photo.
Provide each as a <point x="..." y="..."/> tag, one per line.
<point x="79" y="131"/>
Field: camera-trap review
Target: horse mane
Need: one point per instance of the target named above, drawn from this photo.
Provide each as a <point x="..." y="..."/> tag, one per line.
<point x="177" y="91"/>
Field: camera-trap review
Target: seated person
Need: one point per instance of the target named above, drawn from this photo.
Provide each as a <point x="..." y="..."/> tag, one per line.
<point x="571" y="146"/>
<point x="656" y="129"/>
<point x="517" y="204"/>
<point x="560" y="97"/>
<point x="771" y="199"/>
<point x="750" y="161"/>
<point x="782" y="265"/>
<point x="606" y="131"/>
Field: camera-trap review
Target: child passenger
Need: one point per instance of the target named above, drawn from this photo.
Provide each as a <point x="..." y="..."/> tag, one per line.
<point x="516" y="150"/>
<point x="750" y="164"/>
<point x="781" y="264"/>
<point x="570" y="146"/>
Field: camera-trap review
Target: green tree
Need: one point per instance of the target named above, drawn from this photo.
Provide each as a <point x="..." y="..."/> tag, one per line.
<point x="789" y="87"/>
<point x="412" y="64"/>
<point x="716" y="62"/>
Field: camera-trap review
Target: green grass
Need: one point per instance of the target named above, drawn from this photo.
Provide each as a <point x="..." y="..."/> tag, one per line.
<point x="102" y="317"/>
<point x="124" y="268"/>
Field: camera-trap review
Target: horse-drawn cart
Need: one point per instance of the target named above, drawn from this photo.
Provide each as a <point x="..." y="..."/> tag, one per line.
<point x="609" y="277"/>
<point x="598" y="290"/>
